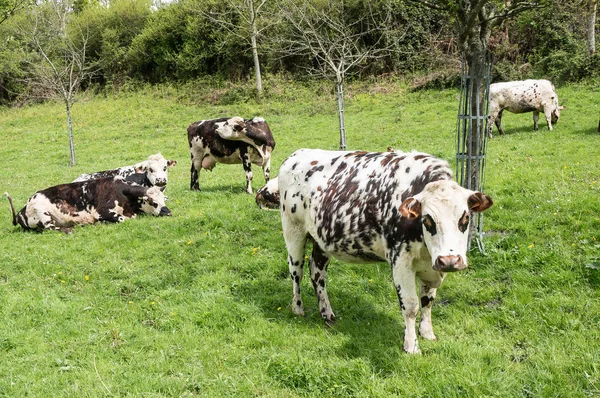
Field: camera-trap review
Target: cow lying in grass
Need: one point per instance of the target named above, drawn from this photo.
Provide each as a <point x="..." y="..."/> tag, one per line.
<point x="402" y="208"/>
<point x="149" y="173"/>
<point x="64" y="206"/>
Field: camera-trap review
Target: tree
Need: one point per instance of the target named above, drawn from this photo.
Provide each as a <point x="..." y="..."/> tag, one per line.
<point x="9" y="7"/>
<point x="474" y="22"/>
<point x="591" y="26"/>
<point x="57" y="64"/>
<point x="335" y="45"/>
<point x="248" y="17"/>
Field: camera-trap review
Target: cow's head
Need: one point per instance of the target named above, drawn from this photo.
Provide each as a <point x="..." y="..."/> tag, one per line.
<point x="255" y="132"/>
<point x="445" y="210"/>
<point x="153" y="202"/>
<point x="555" y="115"/>
<point x="156" y="169"/>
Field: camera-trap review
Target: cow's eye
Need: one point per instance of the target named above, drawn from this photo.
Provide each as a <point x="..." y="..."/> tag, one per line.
<point x="165" y="168"/>
<point x="151" y="170"/>
<point x="429" y="224"/>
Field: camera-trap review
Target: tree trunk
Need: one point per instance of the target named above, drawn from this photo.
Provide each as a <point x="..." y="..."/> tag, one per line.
<point x="340" y="101"/>
<point x="253" y="36"/>
<point x="71" y="140"/>
<point x="592" y="7"/>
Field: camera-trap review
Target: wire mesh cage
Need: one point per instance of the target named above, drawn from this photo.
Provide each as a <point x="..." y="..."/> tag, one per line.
<point x="472" y="133"/>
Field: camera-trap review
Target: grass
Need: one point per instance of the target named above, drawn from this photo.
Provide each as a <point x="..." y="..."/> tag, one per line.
<point x="198" y="304"/>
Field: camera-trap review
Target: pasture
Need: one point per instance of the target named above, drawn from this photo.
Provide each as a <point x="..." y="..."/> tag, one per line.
<point x="198" y="304"/>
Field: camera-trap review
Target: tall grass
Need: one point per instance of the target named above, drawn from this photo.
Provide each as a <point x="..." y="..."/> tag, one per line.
<point x="198" y="303"/>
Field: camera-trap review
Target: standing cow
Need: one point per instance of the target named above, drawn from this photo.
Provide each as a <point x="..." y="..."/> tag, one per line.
<point x="230" y="141"/>
<point x="108" y="199"/>
<point x="150" y="172"/>
<point x="523" y="96"/>
<point x="402" y="208"/>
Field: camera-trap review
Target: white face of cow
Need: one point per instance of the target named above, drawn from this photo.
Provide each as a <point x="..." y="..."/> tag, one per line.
<point x="156" y="169"/>
<point x="556" y="111"/>
<point x="444" y="209"/>
<point x="153" y="202"/>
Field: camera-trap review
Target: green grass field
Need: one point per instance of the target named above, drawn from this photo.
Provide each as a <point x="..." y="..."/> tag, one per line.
<point x="198" y="304"/>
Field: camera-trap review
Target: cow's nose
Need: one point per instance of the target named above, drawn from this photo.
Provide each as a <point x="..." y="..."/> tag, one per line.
<point x="160" y="182"/>
<point x="164" y="211"/>
<point x="449" y="263"/>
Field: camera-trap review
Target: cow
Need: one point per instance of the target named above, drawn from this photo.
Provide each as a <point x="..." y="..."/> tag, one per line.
<point x="267" y="197"/>
<point x="523" y="96"/>
<point x="231" y="141"/>
<point x="150" y="172"/>
<point x="107" y="199"/>
<point x="356" y="206"/>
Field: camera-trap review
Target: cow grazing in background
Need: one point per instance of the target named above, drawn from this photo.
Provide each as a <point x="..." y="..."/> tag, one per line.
<point x="230" y="141"/>
<point x="108" y="199"/>
<point x="402" y="208"/>
<point x="523" y="96"/>
<point x="150" y="172"/>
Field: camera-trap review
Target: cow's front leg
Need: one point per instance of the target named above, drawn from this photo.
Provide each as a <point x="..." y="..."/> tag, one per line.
<point x="248" y="169"/>
<point x="427" y="297"/>
<point x="318" y="275"/>
<point x="404" y="281"/>
<point x="536" y="117"/>
<point x="498" y="123"/>
<point x="267" y="170"/>
<point x="548" y="115"/>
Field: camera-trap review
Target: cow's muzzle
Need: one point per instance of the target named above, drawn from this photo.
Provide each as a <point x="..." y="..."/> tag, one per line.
<point x="160" y="182"/>
<point x="164" y="211"/>
<point x="449" y="264"/>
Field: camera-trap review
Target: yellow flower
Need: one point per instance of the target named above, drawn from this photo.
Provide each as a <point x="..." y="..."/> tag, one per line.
<point x="189" y="242"/>
<point x="153" y="303"/>
<point x="87" y="278"/>
<point x="278" y="308"/>
<point x="531" y="246"/>
<point x="130" y="302"/>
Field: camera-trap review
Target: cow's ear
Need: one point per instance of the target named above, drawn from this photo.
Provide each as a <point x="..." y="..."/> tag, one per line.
<point x="141" y="167"/>
<point x="171" y="163"/>
<point x="410" y="208"/>
<point x="562" y="108"/>
<point x="479" y="202"/>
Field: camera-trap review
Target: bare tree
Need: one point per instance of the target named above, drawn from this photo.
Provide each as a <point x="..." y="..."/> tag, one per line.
<point x="335" y="45"/>
<point x="249" y="16"/>
<point x="57" y="63"/>
<point x="9" y="7"/>
<point x="474" y="22"/>
<point x="591" y="25"/>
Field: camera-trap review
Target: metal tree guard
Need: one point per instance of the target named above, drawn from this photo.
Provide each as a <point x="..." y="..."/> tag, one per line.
<point x="472" y="134"/>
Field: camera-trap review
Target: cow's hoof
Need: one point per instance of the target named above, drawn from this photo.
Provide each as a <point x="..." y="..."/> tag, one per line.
<point x="427" y="334"/>
<point x="298" y="310"/>
<point x="414" y="349"/>
<point x="329" y="319"/>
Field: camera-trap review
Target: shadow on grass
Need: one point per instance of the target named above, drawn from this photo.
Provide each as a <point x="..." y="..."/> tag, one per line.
<point x="372" y="334"/>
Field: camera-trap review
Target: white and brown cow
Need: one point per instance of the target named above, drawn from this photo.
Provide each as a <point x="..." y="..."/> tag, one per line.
<point x="108" y="199"/>
<point x="402" y="208"/>
<point x="150" y="172"/>
<point x="520" y="97"/>
<point x="230" y="141"/>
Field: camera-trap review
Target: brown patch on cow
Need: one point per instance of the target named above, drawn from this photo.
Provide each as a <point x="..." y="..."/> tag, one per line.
<point x="314" y="162"/>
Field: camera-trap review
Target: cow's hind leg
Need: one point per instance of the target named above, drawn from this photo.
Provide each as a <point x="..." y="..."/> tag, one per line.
<point x="318" y="273"/>
<point x="427" y="297"/>
<point x="194" y="170"/>
<point x="536" y="117"/>
<point x="295" y="241"/>
<point x="267" y="170"/>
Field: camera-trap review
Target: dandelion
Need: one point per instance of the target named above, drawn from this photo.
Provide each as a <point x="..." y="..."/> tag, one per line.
<point x="130" y="302"/>
<point x="278" y="308"/>
<point x="189" y="242"/>
<point x="62" y="281"/>
<point x="153" y="303"/>
<point x="531" y="246"/>
<point x="87" y="277"/>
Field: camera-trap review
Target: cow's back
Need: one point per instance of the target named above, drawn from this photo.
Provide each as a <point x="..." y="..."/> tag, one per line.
<point x="349" y="201"/>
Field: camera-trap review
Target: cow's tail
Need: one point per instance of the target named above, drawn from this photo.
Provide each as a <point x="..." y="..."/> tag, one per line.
<point x="12" y="208"/>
